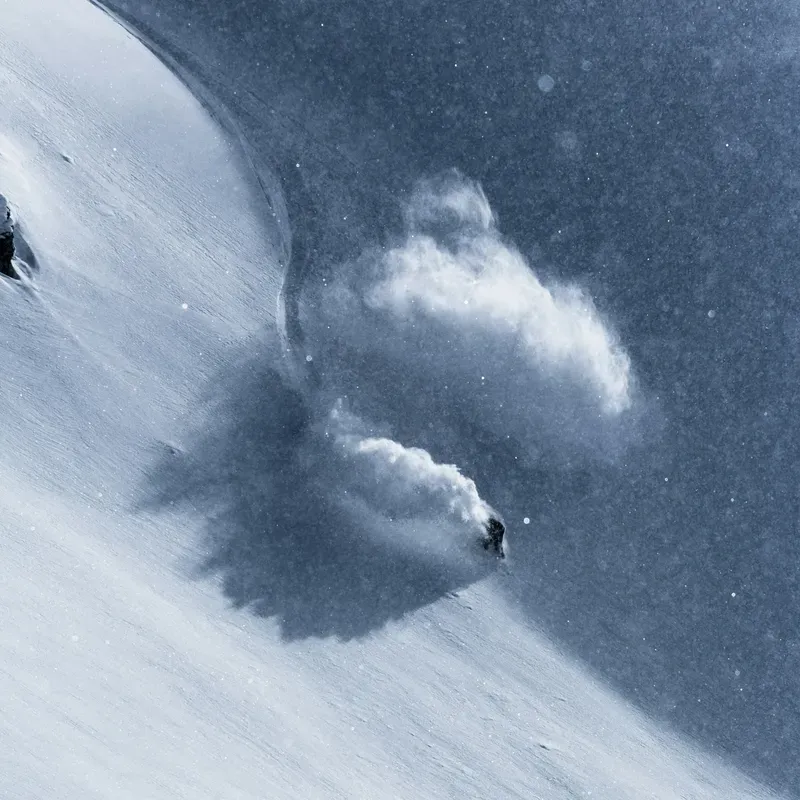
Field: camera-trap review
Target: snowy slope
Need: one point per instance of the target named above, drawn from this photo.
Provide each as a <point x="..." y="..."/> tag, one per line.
<point x="139" y="362"/>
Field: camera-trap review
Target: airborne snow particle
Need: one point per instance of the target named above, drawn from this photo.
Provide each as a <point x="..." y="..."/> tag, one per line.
<point x="527" y="520"/>
<point x="184" y="306"/>
<point x="568" y="142"/>
<point x="546" y="83"/>
<point x="309" y="358"/>
<point x="712" y="314"/>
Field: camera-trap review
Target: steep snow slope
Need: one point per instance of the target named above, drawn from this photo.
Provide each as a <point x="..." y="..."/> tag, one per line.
<point x="137" y="361"/>
<point x="659" y="172"/>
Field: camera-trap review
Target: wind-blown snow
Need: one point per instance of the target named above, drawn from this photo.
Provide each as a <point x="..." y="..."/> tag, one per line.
<point x="420" y="503"/>
<point x="452" y="320"/>
<point x="447" y="327"/>
<point x="408" y="478"/>
<point x="120" y="676"/>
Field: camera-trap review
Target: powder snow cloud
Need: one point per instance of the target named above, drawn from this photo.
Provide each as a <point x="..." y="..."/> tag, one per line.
<point x="448" y="335"/>
<point x="404" y="482"/>
<point x="400" y="494"/>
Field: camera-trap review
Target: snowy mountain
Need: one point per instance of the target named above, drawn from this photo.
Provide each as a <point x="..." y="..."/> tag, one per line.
<point x="268" y="371"/>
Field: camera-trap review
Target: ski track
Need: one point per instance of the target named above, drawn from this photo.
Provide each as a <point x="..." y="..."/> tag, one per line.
<point x="121" y="676"/>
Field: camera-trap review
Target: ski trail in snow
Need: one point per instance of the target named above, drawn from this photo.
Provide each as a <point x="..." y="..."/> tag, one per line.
<point x="290" y="333"/>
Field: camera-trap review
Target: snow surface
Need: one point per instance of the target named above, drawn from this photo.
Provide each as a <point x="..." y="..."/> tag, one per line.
<point x="155" y="452"/>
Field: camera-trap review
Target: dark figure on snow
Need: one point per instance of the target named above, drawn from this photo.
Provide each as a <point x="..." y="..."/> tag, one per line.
<point x="6" y="240"/>
<point x="495" y="531"/>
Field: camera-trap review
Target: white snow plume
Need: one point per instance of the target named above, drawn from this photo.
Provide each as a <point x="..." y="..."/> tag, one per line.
<point x="448" y="202"/>
<point x="396" y="494"/>
<point x="402" y="482"/>
<point x="451" y="325"/>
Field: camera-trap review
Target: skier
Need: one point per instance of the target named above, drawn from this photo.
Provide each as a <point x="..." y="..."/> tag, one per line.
<point x="6" y="239"/>
<point x="495" y="531"/>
